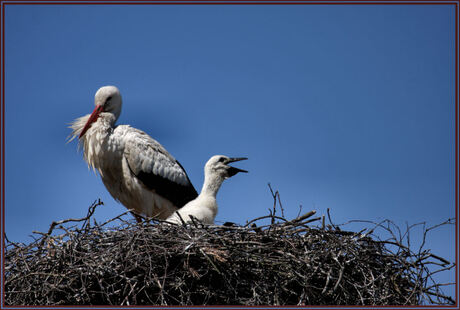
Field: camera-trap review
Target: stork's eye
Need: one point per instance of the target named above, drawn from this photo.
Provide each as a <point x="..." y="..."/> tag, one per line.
<point x="108" y="98"/>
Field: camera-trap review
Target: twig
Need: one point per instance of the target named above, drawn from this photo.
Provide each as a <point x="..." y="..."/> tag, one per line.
<point x="91" y="210"/>
<point x="330" y="221"/>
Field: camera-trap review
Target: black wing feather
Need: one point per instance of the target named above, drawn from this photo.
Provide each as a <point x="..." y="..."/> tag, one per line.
<point x="146" y="157"/>
<point x="178" y="194"/>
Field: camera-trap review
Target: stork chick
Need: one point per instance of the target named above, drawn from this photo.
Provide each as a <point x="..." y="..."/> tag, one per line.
<point x="135" y="169"/>
<point x="204" y="207"/>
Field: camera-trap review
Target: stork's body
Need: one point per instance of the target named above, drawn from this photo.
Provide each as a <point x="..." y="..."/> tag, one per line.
<point x="135" y="169"/>
<point x="204" y="207"/>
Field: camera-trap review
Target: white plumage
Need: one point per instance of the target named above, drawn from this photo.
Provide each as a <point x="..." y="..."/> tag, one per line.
<point x="204" y="207"/>
<point x="135" y="169"/>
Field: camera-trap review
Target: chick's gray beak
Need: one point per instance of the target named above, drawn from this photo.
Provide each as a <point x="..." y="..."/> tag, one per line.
<point x="233" y="170"/>
<point x="232" y="160"/>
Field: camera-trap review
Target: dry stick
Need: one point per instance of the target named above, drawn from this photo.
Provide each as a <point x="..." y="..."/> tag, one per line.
<point x="327" y="281"/>
<point x="9" y="242"/>
<point x="210" y="261"/>
<point x="164" y="281"/>
<point x="300" y="218"/>
<point x="274" y="202"/>
<point x="307" y="228"/>
<point x="310" y="220"/>
<point x="264" y="217"/>
<point x="281" y="205"/>
<point x="181" y="219"/>
<point x="450" y="221"/>
<point x="330" y="221"/>
<point x="91" y="210"/>
<point x="194" y="221"/>
<point x="276" y="195"/>
<point x="342" y="268"/>
<point x="116" y="218"/>
<point x="439" y="295"/>
<point x="300" y="211"/>
<point x="422" y="259"/>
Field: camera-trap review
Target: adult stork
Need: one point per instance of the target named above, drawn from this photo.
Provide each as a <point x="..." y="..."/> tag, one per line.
<point x="204" y="207"/>
<point x="136" y="170"/>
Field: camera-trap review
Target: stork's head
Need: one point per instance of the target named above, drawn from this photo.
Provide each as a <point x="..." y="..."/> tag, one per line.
<point x="218" y="164"/>
<point x="108" y="100"/>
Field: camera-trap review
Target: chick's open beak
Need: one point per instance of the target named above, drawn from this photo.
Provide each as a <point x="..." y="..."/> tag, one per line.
<point x="233" y="170"/>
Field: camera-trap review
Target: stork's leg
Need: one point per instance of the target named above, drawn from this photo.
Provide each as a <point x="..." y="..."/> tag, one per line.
<point x="137" y="217"/>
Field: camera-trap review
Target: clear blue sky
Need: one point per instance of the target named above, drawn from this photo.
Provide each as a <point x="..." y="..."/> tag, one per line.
<point x="347" y="107"/>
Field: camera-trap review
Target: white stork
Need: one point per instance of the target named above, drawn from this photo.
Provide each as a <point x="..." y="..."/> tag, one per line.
<point x="135" y="169"/>
<point x="204" y="207"/>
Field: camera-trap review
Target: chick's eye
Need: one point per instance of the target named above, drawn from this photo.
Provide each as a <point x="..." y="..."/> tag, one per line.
<point x="221" y="160"/>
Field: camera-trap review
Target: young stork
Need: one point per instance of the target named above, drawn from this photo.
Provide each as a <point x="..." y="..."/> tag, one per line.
<point x="136" y="170"/>
<point x="204" y="207"/>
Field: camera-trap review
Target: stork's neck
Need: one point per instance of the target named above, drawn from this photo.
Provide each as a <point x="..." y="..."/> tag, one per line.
<point x="212" y="183"/>
<point x="100" y="129"/>
<point x="107" y="119"/>
<point x="95" y="140"/>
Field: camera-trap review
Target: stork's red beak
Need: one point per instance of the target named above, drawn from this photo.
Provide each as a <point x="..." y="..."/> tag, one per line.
<point x="93" y="117"/>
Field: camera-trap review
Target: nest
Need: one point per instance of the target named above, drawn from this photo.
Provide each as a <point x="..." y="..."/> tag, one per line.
<point x="121" y="262"/>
